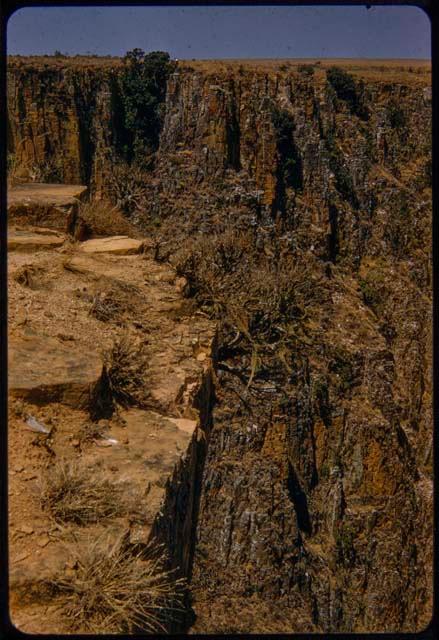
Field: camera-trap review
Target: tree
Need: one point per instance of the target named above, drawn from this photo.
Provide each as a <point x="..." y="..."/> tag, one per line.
<point x="143" y="92"/>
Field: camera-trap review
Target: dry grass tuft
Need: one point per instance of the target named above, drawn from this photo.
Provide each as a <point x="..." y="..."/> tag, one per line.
<point x="107" y="306"/>
<point x="72" y="492"/>
<point x="126" y="365"/>
<point x="127" y="188"/>
<point x="100" y="218"/>
<point x="113" y="304"/>
<point x="114" y="590"/>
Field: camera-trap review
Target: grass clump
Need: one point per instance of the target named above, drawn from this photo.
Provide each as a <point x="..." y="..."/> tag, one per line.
<point x="127" y="187"/>
<point x="106" y="306"/>
<point x="114" y="590"/>
<point x="73" y="492"/>
<point x="115" y="303"/>
<point x="100" y="218"/>
<point x="126" y="365"/>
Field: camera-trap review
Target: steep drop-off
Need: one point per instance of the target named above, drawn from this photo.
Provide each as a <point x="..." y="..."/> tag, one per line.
<point x="311" y="492"/>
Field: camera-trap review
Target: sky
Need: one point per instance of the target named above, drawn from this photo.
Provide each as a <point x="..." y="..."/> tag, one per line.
<point x="223" y="32"/>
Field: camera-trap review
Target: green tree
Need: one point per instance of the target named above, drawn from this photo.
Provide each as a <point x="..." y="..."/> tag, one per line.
<point x="143" y="92"/>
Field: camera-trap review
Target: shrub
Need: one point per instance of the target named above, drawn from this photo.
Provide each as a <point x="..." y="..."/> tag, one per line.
<point x="127" y="188"/>
<point x="107" y="306"/>
<point x="143" y="91"/>
<point x="126" y="367"/>
<point x="114" y="590"/>
<point x="100" y="218"/>
<point x="72" y="492"/>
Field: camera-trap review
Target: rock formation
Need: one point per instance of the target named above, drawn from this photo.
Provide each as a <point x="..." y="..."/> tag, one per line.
<point x="307" y="505"/>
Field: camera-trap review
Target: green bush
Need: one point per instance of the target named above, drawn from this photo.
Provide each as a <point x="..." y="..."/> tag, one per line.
<point x="143" y="92"/>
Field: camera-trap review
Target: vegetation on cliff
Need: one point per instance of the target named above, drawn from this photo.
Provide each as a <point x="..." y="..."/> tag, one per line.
<point x="142" y="94"/>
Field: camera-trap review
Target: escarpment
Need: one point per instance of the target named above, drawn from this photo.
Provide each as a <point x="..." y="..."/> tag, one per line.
<point x="301" y="222"/>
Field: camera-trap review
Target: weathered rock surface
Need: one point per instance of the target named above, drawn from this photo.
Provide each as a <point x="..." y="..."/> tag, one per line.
<point x="47" y="205"/>
<point x="42" y="370"/>
<point x="118" y="245"/>
<point x="20" y="240"/>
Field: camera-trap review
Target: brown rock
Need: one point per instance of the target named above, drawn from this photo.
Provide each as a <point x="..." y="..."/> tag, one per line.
<point x="120" y="245"/>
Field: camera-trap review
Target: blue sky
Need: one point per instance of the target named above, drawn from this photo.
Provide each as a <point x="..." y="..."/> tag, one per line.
<point x="224" y="32"/>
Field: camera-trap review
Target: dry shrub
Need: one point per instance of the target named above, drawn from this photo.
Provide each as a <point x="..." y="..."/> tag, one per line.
<point x="126" y="365"/>
<point x="126" y="187"/>
<point x="72" y="492"/>
<point x="262" y="296"/>
<point x="114" y="303"/>
<point x="114" y="590"/>
<point x="100" y="218"/>
<point x="107" y="306"/>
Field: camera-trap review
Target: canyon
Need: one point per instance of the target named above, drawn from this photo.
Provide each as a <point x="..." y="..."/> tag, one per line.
<point x="283" y="289"/>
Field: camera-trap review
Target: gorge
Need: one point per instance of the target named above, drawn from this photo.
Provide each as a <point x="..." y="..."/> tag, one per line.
<point x="293" y="204"/>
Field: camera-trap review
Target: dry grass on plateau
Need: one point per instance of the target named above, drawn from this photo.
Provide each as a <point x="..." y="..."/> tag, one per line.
<point x="73" y="492"/>
<point x="113" y="590"/>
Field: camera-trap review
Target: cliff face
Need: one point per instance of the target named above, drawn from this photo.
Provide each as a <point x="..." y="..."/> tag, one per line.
<point x="313" y="497"/>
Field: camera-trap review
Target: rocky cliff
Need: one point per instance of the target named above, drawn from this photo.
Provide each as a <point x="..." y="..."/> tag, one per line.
<point x="311" y="494"/>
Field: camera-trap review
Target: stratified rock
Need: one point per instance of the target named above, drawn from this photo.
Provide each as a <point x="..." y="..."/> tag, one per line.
<point x="20" y="240"/>
<point x="42" y="370"/>
<point x="120" y="245"/>
<point x="48" y="205"/>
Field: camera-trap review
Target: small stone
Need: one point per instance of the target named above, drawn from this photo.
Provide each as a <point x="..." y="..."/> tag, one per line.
<point x="201" y="357"/>
<point x="43" y="540"/>
<point x="27" y="529"/>
<point x="75" y="443"/>
<point x="103" y="443"/>
<point x="125" y="441"/>
<point x="19" y="468"/>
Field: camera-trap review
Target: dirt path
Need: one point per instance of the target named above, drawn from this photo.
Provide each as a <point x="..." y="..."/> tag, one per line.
<point x="68" y="304"/>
